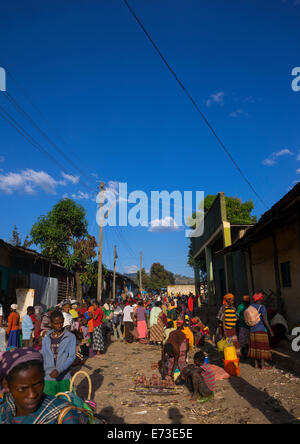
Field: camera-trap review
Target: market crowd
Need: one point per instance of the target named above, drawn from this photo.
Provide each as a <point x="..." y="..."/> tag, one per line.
<point x="38" y="356"/>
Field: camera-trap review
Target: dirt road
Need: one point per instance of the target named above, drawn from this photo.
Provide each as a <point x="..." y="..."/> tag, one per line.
<point x="256" y="397"/>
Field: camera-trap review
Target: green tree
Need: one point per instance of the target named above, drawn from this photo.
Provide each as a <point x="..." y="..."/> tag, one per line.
<point x="16" y="238"/>
<point x="63" y="237"/>
<point x="89" y="274"/>
<point x="160" y="277"/>
<point x="146" y="281"/>
<point x="237" y="212"/>
<point x="27" y="242"/>
<point x="56" y="233"/>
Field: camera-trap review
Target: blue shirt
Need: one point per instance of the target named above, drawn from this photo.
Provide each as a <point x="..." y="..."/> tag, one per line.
<point x="27" y="327"/>
<point x="260" y="326"/>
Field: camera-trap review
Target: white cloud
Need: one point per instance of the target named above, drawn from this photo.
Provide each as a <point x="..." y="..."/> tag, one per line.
<point x="166" y="224"/>
<point x="272" y="159"/>
<point x="236" y="113"/>
<point x="80" y="195"/>
<point x="28" y="181"/>
<point x="131" y="269"/>
<point x="70" y="178"/>
<point x="216" y="98"/>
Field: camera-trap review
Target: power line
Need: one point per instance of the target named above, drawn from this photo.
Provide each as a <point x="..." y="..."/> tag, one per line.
<point x="23" y="91"/>
<point x="194" y="103"/>
<point x="34" y="143"/>
<point x="57" y="148"/>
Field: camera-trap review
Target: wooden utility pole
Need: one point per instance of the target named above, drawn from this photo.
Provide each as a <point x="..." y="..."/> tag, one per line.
<point x="99" y="289"/>
<point x="141" y="259"/>
<point x="114" y="281"/>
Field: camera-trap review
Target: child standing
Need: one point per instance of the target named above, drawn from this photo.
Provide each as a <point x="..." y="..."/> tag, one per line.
<point x="59" y="353"/>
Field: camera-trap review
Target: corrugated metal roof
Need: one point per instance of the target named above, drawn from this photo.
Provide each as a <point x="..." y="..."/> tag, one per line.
<point x="282" y="213"/>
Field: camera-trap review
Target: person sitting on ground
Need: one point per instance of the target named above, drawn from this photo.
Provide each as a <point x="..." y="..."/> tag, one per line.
<point x="59" y="353"/>
<point x="22" y="376"/>
<point x="208" y="375"/>
<point x="192" y="376"/>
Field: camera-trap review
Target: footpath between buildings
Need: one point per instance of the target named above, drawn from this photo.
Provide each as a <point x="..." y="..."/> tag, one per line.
<point x="283" y="357"/>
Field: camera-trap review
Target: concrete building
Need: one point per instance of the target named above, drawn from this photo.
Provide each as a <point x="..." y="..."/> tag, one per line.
<point x="271" y="249"/>
<point x="181" y="288"/>
<point x="24" y="268"/>
<point x="225" y="273"/>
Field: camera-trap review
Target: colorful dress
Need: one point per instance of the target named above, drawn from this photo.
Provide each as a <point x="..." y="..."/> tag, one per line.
<point x="259" y="339"/>
<point x="47" y="413"/>
<point x="244" y="329"/>
<point x="141" y="322"/>
<point x="156" y="325"/>
<point x="13" y="330"/>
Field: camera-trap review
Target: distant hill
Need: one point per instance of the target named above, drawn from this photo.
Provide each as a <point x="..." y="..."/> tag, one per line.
<point x="183" y="280"/>
<point x="179" y="279"/>
<point x="132" y="276"/>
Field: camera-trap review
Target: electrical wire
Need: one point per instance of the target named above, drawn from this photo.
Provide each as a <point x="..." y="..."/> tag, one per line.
<point x="26" y="95"/>
<point x="34" y="143"/>
<point x="225" y="149"/>
<point x="50" y="141"/>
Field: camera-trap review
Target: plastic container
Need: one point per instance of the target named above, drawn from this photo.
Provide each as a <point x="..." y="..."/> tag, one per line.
<point x="176" y="374"/>
<point x="230" y="353"/>
<point x="206" y="360"/>
<point x="232" y="367"/>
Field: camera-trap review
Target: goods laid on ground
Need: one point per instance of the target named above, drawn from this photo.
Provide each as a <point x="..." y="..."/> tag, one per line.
<point x="154" y="382"/>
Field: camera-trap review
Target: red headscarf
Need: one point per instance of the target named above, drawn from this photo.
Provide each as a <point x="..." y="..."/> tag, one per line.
<point x="258" y="297"/>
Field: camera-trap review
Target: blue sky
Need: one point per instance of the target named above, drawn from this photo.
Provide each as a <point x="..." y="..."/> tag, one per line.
<point x="112" y="106"/>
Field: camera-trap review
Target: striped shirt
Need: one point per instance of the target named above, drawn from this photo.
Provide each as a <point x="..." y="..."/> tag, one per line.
<point x="230" y="317"/>
<point x="209" y="377"/>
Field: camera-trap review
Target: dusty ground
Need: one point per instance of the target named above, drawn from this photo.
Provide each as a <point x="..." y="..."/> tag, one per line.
<point x="256" y="397"/>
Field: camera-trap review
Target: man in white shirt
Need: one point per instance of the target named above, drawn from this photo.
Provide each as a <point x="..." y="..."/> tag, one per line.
<point x="68" y="319"/>
<point x="128" y="321"/>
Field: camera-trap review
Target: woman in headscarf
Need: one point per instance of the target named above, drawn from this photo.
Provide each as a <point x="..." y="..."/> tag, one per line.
<point x="230" y="320"/>
<point x="244" y="329"/>
<point x="13" y="328"/>
<point x="22" y="377"/>
<point x="156" y="324"/>
<point x="260" y="349"/>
